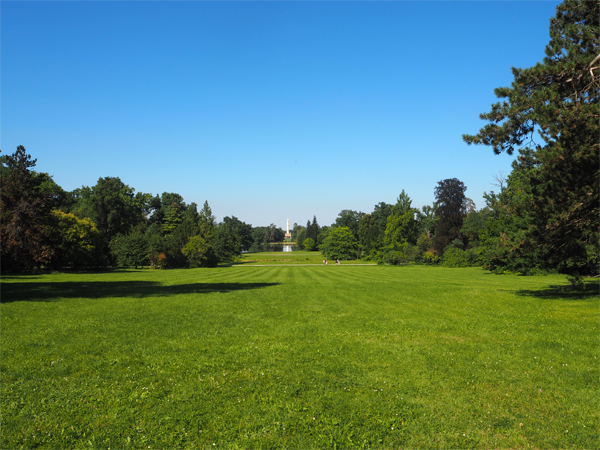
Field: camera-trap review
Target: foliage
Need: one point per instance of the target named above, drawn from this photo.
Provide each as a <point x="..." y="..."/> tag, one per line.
<point x="431" y="257"/>
<point x="301" y="237"/>
<point x="451" y="208"/>
<point x="503" y="239"/>
<point x="455" y="257"/>
<point x="174" y="243"/>
<point x="427" y="220"/>
<point x="241" y="230"/>
<point x="403" y="204"/>
<point x="473" y="225"/>
<point x="27" y="225"/>
<point x="199" y="252"/>
<point x="309" y="244"/>
<point x="401" y="229"/>
<point x="227" y="244"/>
<point x="130" y="249"/>
<point x="368" y="233"/>
<point x="78" y="242"/>
<point x="323" y="233"/>
<point x="559" y="100"/>
<point x="340" y="244"/>
<point x="349" y="219"/>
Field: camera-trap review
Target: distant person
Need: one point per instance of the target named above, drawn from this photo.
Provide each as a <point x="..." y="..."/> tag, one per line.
<point x="324" y="262"/>
<point x="337" y="262"/>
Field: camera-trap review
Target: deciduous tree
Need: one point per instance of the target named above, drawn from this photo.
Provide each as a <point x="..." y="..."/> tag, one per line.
<point x="27" y="225"/>
<point x="340" y="244"/>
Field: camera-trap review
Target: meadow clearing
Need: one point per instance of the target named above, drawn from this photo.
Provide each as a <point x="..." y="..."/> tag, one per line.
<point x="249" y="356"/>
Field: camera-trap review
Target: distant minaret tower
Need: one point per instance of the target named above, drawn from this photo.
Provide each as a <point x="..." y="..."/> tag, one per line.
<point x="288" y="235"/>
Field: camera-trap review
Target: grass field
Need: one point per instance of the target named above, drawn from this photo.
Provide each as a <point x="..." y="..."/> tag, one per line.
<point x="291" y="258"/>
<point x="298" y="357"/>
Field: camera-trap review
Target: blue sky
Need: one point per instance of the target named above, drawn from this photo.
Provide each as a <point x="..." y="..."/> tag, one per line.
<point x="268" y="110"/>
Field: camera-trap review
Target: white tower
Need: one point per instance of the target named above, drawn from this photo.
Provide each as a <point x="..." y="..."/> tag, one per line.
<point x="288" y="235"/>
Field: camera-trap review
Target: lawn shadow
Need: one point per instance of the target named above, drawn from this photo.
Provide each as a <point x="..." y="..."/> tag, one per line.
<point x="590" y="290"/>
<point x="48" y="292"/>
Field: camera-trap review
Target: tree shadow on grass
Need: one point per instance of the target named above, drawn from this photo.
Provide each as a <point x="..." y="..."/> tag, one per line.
<point x="589" y="291"/>
<point x="49" y="292"/>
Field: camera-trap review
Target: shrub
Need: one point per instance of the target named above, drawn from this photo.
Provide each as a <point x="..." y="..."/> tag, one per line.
<point x="455" y="257"/>
<point x="431" y="257"/>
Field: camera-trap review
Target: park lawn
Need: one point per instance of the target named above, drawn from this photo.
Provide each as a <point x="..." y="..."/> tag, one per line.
<point x="298" y="257"/>
<point x="298" y="357"/>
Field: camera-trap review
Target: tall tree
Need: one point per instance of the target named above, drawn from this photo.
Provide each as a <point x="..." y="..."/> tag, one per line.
<point x="27" y="225"/>
<point x="451" y="208"/>
<point x="367" y="232"/>
<point x="309" y="231"/>
<point x="315" y="232"/>
<point x="558" y="99"/>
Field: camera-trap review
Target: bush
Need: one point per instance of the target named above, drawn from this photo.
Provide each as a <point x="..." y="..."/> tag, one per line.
<point x="431" y="257"/>
<point x="455" y="257"/>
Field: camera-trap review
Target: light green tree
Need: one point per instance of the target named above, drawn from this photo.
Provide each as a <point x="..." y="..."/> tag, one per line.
<point x="340" y="244"/>
<point x="77" y="242"/>
<point x="309" y="244"/>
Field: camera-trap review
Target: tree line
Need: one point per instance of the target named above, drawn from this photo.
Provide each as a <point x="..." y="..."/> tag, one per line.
<point x="110" y="224"/>
<point x="543" y="218"/>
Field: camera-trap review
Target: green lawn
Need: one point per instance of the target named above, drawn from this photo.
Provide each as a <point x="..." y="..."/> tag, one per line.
<point x="298" y="357"/>
<point x="278" y="258"/>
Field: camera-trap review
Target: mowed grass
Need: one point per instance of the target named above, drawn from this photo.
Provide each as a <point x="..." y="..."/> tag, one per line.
<point x="298" y="357"/>
<point x="291" y="258"/>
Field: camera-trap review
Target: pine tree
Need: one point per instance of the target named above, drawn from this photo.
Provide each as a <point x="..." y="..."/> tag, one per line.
<point x="559" y="100"/>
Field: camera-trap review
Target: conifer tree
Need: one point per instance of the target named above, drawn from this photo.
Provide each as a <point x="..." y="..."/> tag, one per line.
<point x="557" y="99"/>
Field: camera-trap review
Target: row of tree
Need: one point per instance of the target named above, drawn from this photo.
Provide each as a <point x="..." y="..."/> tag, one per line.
<point x="110" y="224"/>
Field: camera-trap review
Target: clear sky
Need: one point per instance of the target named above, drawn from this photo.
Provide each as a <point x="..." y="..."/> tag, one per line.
<point x="268" y="110"/>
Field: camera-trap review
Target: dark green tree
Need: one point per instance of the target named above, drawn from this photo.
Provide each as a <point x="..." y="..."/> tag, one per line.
<point x="349" y="218"/>
<point x="240" y="229"/>
<point x="131" y="249"/>
<point x="227" y="243"/>
<point x="309" y="231"/>
<point x="368" y="233"/>
<point x="451" y="209"/>
<point x="558" y="100"/>
<point x="27" y="225"/>
<point x="323" y="233"/>
<point x="113" y="206"/>
<point x="301" y="237"/>
<point x="315" y="232"/>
